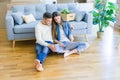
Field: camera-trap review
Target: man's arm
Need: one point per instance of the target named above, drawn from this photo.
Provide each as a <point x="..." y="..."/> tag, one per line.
<point x="38" y="33"/>
<point x="39" y="39"/>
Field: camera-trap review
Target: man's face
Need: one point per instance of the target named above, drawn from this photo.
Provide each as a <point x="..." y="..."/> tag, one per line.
<point x="48" y="21"/>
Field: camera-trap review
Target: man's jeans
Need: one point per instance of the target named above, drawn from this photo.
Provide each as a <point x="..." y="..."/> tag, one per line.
<point x="42" y="52"/>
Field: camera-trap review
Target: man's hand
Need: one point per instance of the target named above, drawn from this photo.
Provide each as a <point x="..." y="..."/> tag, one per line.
<point x="52" y="47"/>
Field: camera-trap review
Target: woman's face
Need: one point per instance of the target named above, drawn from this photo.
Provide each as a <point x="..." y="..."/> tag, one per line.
<point x="57" y="19"/>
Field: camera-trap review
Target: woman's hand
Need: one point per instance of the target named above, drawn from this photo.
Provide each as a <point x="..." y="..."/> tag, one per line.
<point x="61" y="44"/>
<point x="72" y="27"/>
<point x="71" y="38"/>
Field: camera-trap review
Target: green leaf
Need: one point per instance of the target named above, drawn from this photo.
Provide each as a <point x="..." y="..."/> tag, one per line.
<point x="112" y="6"/>
<point x="95" y="14"/>
<point x="110" y="12"/>
<point x="95" y="21"/>
<point x="104" y="13"/>
<point x="99" y="6"/>
<point x="65" y="11"/>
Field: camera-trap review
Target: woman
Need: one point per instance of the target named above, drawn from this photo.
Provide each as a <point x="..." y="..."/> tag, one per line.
<point x="62" y="35"/>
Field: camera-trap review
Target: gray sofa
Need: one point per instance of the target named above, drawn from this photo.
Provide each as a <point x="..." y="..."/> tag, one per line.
<point x="22" y="31"/>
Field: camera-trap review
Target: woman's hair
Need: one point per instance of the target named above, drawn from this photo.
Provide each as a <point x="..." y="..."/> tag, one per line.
<point x="54" y="32"/>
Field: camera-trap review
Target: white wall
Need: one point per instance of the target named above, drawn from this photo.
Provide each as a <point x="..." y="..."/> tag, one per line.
<point x="86" y="6"/>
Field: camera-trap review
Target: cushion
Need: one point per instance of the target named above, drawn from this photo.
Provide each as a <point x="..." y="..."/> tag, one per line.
<point x="51" y="8"/>
<point x="18" y="17"/>
<point x="78" y="25"/>
<point x="18" y="8"/>
<point x="25" y="28"/>
<point x="72" y="6"/>
<point x="61" y="7"/>
<point x="79" y="15"/>
<point x="28" y="18"/>
<point x="40" y="10"/>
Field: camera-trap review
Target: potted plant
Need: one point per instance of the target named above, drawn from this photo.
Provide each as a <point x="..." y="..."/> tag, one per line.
<point x="67" y="15"/>
<point x="103" y="14"/>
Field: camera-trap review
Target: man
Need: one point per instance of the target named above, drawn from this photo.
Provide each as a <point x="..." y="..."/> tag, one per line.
<point x="44" y="40"/>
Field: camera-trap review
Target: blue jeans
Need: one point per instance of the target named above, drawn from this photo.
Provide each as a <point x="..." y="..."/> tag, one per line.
<point x="42" y="51"/>
<point x="68" y="45"/>
<point x="80" y="46"/>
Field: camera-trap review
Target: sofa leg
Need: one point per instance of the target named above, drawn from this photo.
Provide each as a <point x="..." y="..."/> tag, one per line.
<point x="86" y="38"/>
<point x="13" y="44"/>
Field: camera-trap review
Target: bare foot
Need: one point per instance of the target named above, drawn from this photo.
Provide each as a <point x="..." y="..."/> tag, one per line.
<point x="67" y="53"/>
<point x="70" y="52"/>
<point x="38" y="65"/>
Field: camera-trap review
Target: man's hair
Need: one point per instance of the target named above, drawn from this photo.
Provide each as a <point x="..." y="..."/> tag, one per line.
<point x="47" y="15"/>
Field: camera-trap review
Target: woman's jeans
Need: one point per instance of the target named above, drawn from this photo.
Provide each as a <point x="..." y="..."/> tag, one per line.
<point x="42" y="51"/>
<point x="80" y="46"/>
<point x="68" y="45"/>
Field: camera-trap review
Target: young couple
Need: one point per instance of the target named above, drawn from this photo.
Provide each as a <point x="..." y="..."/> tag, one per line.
<point x="56" y="38"/>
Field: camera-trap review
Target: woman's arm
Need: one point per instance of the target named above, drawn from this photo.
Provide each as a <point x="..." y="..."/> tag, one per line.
<point x="70" y="32"/>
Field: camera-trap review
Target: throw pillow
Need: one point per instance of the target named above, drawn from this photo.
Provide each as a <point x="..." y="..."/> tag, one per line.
<point x="28" y="18"/>
<point x="79" y="15"/>
<point x="17" y="17"/>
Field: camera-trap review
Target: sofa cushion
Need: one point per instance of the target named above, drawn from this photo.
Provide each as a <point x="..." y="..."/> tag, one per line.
<point x="79" y="25"/>
<point x="36" y="9"/>
<point x="40" y="10"/>
<point x="17" y="16"/>
<point x="28" y="18"/>
<point x="18" y="8"/>
<point x="25" y="28"/>
<point x="29" y="9"/>
<point x="51" y="8"/>
<point x="60" y="7"/>
<point x="79" y="15"/>
<point x="72" y="6"/>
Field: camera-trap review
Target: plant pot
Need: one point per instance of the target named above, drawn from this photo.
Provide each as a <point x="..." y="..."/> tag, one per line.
<point x="100" y="34"/>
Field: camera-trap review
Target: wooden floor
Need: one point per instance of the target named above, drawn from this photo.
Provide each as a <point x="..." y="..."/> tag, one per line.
<point x="101" y="61"/>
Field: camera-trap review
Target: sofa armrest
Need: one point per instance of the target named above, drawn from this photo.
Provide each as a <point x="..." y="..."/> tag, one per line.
<point x="89" y="20"/>
<point x="9" y="26"/>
